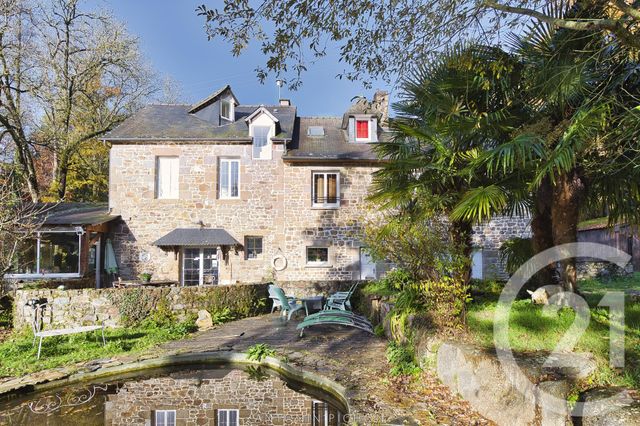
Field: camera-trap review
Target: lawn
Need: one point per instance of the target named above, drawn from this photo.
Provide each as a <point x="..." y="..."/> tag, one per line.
<point x="18" y="354"/>
<point x="532" y="330"/>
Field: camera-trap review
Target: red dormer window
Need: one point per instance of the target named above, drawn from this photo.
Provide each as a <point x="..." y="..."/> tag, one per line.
<point x="362" y="129"/>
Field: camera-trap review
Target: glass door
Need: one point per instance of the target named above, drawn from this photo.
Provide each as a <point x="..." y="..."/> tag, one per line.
<point x="199" y="266"/>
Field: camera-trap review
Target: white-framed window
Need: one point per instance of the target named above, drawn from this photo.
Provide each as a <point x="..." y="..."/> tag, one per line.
<point x="229" y="178"/>
<point x="227" y="417"/>
<point x="165" y="418"/>
<point x="167" y="172"/>
<point x="363" y="131"/>
<point x="253" y="247"/>
<point x="326" y="189"/>
<point x="226" y="109"/>
<point x="199" y="266"/>
<point x="317" y="256"/>
<point x="52" y="253"/>
<point x="261" y="142"/>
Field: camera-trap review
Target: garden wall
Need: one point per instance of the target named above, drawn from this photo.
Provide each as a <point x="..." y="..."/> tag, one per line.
<point x="119" y="306"/>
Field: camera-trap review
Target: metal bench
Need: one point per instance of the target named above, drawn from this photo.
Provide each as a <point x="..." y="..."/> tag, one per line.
<point x="66" y="331"/>
<point x="38" y="306"/>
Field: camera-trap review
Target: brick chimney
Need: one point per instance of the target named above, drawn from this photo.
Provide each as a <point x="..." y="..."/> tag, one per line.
<point x="380" y="104"/>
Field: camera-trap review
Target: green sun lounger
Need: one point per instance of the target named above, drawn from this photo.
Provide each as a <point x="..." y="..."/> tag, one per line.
<point x="345" y="318"/>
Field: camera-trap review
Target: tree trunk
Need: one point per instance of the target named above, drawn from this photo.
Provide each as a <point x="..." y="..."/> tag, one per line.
<point x="567" y="195"/>
<point x="461" y="236"/>
<point x="542" y="233"/>
<point x="61" y="171"/>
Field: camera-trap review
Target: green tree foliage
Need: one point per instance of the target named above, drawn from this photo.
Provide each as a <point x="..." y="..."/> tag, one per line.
<point x="430" y="275"/>
<point x="550" y="126"/>
<point x="385" y="38"/>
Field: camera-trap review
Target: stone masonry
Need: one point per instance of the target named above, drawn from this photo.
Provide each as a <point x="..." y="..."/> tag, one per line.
<point x="275" y="203"/>
<point x="197" y="400"/>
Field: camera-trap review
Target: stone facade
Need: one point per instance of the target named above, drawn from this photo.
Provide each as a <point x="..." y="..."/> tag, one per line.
<point x="275" y="203"/>
<point x="488" y="237"/>
<point x="197" y="401"/>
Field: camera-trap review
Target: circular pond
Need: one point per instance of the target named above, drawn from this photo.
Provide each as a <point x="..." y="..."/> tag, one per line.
<point x="224" y="395"/>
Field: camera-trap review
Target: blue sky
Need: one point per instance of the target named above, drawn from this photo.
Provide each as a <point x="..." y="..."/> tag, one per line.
<point x="173" y="39"/>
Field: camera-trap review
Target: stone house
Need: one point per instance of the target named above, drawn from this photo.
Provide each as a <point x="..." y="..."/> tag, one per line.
<point x="221" y="192"/>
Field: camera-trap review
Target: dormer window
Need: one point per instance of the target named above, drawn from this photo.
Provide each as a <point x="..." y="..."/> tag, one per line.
<point x="226" y="109"/>
<point x="362" y="130"/>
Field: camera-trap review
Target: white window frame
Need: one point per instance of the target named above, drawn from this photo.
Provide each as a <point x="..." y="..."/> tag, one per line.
<point x="229" y="161"/>
<point x="267" y="148"/>
<point x="164" y="413"/>
<point x="200" y="263"/>
<point x="174" y="194"/>
<point x="368" y="138"/>
<point x="230" y="103"/>
<point x="315" y="263"/>
<point x="246" y="242"/>
<point x="226" y="412"/>
<point x="325" y="204"/>
<point x="78" y="231"/>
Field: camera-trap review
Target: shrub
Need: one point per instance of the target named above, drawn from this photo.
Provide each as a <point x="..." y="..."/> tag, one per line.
<point x="221" y="316"/>
<point x="402" y="360"/>
<point x="259" y="351"/>
<point x="393" y="281"/>
<point x="6" y="311"/>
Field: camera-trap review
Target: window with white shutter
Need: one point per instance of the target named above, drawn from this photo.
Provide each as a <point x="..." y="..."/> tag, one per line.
<point x="167" y="171"/>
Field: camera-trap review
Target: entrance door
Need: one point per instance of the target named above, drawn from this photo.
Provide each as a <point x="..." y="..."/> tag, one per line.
<point x="367" y="265"/>
<point x="199" y="266"/>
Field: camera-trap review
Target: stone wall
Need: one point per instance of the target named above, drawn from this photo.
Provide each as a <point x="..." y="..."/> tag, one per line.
<point x="489" y="237"/>
<point x="275" y="203"/>
<point x="72" y="308"/>
<point x="196" y="401"/>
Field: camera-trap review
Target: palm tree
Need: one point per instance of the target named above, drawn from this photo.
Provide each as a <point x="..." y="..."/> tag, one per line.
<point x="552" y="127"/>
<point x="452" y="111"/>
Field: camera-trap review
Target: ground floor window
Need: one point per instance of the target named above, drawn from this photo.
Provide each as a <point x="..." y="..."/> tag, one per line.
<point x="165" y="418"/>
<point x="317" y="256"/>
<point x="49" y="254"/>
<point x="228" y="417"/>
<point x="253" y="247"/>
<point x="199" y="266"/>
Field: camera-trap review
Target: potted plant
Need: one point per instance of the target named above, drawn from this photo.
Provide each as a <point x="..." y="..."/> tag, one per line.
<point x="145" y="277"/>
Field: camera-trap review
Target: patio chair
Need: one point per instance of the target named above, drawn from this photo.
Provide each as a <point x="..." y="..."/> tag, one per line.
<point x="340" y="299"/>
<point x="339" y="317"/>
<point x="275" y="299"/>
<point x="288" y="306"/>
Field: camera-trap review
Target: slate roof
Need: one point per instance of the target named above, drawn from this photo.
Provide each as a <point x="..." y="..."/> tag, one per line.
<point x="202" y="237"/>
<point x="209" y="99"/>
<point x="333" y="145"/>
<point x="75" y="213"/>
<point x="173" y="122"/>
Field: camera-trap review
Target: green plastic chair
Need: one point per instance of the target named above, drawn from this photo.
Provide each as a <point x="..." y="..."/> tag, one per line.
<point x="289" y="306"/>
<point x="340" y="300"/>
